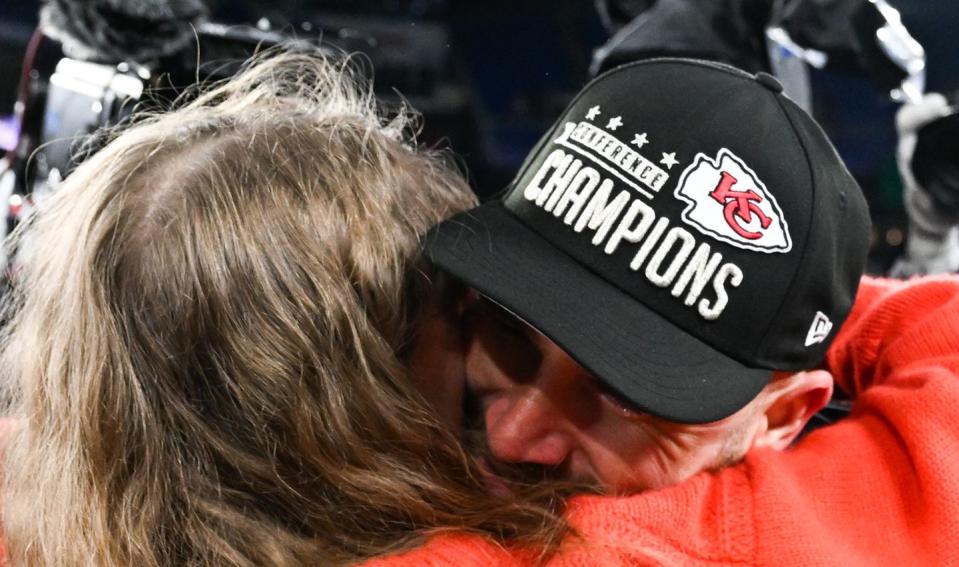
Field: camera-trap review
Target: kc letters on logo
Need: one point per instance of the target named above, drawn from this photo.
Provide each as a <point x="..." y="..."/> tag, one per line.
<point x="726" y="200"/>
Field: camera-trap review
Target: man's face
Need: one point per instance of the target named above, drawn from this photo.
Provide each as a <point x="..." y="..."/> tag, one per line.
<point x="539" y="406"/>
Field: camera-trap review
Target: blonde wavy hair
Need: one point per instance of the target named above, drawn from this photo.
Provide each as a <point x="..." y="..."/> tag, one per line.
<point x="201" y="347"/>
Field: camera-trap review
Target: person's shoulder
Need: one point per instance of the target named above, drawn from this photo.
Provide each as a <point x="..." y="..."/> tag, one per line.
<point x="888" y="310"/>
<point x="871" y="287"/>
<point x="704" y="520"/>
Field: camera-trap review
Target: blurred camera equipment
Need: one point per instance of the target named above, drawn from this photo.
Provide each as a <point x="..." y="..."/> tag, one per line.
<point x="892" y="58"/>
<point x="928" y="160"/>
<point x="935" y="162"/>
<point x="784" y="37"/>
<point x="121" y="30"/>
<point x="94" y="62"/>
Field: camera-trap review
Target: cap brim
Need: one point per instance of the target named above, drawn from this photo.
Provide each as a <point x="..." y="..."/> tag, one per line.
<point x="633" y="350"/>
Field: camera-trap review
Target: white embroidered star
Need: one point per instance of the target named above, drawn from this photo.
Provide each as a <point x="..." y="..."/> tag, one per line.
<point x="615" y="123"/>
<point x="669" y="160"/>
<point x="640" y="139"/>
<point x="593" y="112"/>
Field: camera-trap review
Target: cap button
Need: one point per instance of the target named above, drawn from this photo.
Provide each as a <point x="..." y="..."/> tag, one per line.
<point x="770" y="82"/>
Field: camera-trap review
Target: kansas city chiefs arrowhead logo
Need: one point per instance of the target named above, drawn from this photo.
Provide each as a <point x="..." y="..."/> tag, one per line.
<point x="726" y="200"/>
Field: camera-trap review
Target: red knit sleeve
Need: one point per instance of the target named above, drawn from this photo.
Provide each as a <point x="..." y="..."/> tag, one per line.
<point x="895" y="324"/>
<point x="880" y="487"/>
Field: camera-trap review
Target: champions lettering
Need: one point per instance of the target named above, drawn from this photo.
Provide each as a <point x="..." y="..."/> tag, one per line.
<point x="668" y="257"/>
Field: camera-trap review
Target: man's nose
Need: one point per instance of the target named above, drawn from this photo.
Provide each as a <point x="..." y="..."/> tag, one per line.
<point x="525" y="426"/>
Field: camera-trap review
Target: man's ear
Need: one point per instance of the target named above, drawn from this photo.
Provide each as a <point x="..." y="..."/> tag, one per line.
<point x="792" y="400"/>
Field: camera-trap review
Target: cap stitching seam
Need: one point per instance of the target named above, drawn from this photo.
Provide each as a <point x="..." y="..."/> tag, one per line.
<point x="761" y="348"/>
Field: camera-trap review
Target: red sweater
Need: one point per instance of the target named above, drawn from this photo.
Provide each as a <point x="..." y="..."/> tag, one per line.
<point x="880" y="487"/>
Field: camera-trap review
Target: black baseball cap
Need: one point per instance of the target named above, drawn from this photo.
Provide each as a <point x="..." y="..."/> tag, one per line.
<point x="682" y="230"/>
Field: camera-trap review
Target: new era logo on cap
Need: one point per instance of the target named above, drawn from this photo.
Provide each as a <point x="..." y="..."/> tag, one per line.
<point x="728" y="201"/>
<point x="819" y="330"/>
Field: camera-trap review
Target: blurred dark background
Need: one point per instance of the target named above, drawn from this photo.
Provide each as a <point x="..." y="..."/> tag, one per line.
<point x="491" y="76"/>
